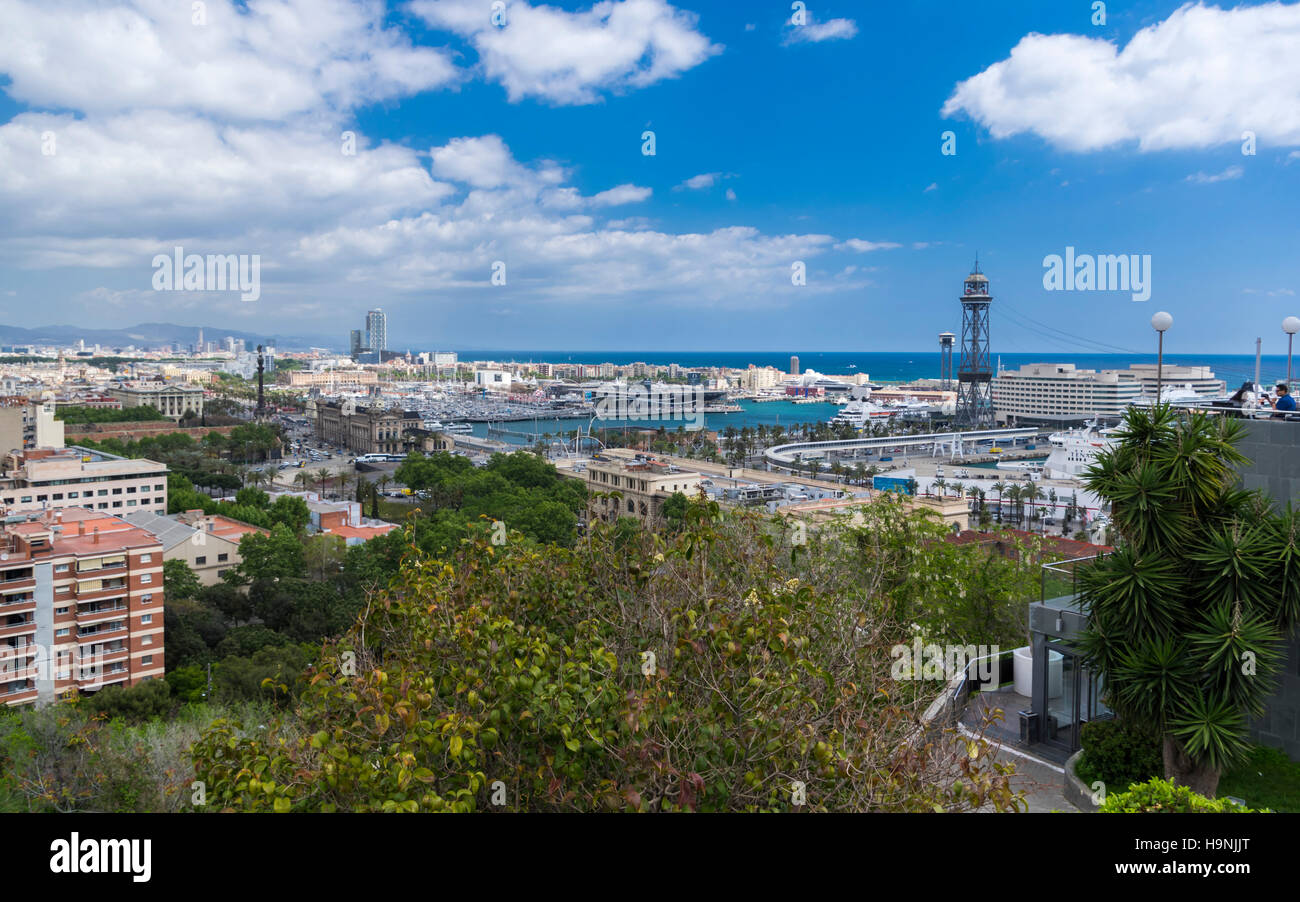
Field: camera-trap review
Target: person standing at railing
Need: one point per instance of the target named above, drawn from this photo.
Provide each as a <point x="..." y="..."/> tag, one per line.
<point x="1245" y="399"/>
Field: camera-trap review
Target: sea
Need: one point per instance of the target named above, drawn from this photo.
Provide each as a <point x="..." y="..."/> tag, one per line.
<point x="891" y="366"/>
<point x="880" y="366"/>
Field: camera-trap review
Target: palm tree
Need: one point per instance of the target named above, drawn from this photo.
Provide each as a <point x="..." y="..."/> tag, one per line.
<point x="322" y="477"/>
<point x="999" y="487"/>
<point x="1013" y="494"/>
<point x="859" y="473"/>
<point x="1034" y="493"/>
<point x="1204" y="576"/>
<point x="938" y="485"/>
<point x="302" y="479"/>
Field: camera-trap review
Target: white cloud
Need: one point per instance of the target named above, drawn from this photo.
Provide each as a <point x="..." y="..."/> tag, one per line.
<point x="862" y="246"/>
<point x="619" y="195"/>
<point x="483" y="162"/>
<point x="155" y="174"/>
<point x="816" y="32"/>
<point x="572" y="57"/>
<point x="271" y="60"/>
<point x="238" y="149"/>
<point x="731" y="195"/>
<point x="1227" y="175"/>
<point x="699" y="182"/>
<point x="329" y="226"/>
<point x="1197" y="79"/>
<point x="933" y="186"/>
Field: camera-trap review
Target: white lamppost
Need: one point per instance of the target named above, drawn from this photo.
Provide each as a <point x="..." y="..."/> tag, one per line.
<point x="1290" y="325"/>
<point x="1161" y="323"/>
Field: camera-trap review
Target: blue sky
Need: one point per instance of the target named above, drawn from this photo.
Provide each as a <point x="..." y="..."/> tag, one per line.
<point x="775" y="143"/>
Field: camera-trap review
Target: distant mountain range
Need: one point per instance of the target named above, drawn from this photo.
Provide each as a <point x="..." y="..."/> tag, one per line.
<point x="149" y="335"/>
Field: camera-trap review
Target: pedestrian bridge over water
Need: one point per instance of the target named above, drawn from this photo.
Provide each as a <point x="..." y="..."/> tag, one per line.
<point x="955" y="443"/>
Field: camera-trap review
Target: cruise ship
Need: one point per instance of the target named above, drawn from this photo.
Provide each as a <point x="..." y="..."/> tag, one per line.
<point x="1073" y="452"/>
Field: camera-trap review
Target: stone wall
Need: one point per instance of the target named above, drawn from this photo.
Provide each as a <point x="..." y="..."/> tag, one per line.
<point x="1280" y="725"/>
<point x="1273" y="447"/>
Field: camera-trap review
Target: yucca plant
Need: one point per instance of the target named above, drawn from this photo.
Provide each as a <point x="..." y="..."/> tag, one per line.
<point x="1187" y="617"/>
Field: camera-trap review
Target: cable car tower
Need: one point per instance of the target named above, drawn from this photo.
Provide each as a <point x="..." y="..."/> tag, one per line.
<point x="946" y="340"/>
<point x="975" y="373"/>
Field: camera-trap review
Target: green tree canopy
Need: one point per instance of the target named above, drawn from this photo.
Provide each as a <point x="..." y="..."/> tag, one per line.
<point x="621" y="674"/>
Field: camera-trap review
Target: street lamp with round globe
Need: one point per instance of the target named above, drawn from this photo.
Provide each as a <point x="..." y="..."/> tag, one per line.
<point x="1161" y="323"/>
<point x="1290" y="325"/>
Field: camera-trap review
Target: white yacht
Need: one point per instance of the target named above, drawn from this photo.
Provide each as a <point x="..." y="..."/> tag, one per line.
<point x="859" y="413"/>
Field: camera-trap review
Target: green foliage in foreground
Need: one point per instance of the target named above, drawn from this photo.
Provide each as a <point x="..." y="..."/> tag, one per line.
<point x="625" y="674"/>
<point x="1118" y="754"/>
<point x="68" y="757"/>
<point x="1188" y="616"/>
<point x="1267" y="777"/>
<point x="1157" y="796"/>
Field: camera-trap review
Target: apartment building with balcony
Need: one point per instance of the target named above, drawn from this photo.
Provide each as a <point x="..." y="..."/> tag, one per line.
<point x="25" y="423"/>
<point x="51" y="479"/>
<point x="81" y="605"/>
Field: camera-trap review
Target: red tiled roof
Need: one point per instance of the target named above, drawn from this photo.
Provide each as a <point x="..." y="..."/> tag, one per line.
<point x="361" y="532"/>
<point x="1068" y="547"/>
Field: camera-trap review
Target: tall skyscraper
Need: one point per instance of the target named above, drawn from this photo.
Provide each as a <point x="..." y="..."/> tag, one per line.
<point x="354" y="344"/>
<point x="377" y="330"/>
<point x="794" y="366"/>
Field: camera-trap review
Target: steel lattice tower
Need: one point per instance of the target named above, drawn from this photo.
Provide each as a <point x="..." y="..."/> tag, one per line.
<point x="946" y="340"/>
<point x="975" y="373"/>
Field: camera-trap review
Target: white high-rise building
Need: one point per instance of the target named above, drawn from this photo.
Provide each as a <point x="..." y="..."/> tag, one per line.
<point x="1060" y="393"/>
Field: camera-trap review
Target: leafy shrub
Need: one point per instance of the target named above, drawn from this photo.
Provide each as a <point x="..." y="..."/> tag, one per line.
<point x="625" y="673"/>
<point x="64" y="758"/>
<point x="152" y="698"/>
<point x="1161" y="796"/>
<point x="188" y="683"/>
<point x="1118" y="754"/>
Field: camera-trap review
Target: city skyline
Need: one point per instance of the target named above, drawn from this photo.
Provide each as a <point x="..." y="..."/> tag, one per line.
<point x="485" y="196"/>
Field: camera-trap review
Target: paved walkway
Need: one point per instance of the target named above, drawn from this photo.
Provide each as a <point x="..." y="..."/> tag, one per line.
<point x="1039" y="774"/>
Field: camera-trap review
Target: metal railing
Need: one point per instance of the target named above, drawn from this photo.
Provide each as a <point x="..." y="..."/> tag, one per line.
<point x="1060" y="579"/>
